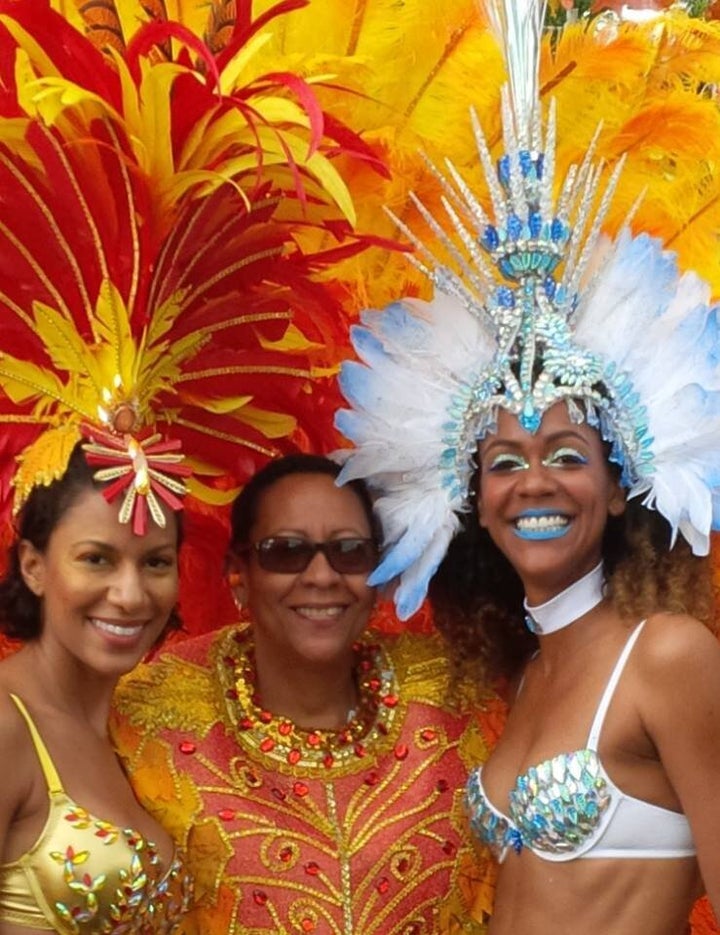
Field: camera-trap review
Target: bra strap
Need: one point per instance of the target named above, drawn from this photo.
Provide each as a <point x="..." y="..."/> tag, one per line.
<point x="48" y="767"/>
<point x="594" y="736"/>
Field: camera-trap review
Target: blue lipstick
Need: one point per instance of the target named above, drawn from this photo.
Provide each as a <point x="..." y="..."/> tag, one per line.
<point x="541" y="531"/>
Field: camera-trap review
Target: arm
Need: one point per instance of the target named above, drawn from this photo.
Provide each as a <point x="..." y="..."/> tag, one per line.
<point x="680" y="708"/>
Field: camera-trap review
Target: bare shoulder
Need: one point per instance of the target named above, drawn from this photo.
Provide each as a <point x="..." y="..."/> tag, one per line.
<point x="678" y="642"/>
<point x="678" y="665"/>
<point x="16" y="747"/>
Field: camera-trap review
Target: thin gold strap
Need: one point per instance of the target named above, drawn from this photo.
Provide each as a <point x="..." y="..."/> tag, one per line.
<point x="48" y="767"/>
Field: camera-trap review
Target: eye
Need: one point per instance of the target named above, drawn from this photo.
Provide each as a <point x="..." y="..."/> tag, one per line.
<point x="505" y="461"/>
<point x="565" y="456"/>
<point x="160" y="562"/>
<point x="94" y="559"/>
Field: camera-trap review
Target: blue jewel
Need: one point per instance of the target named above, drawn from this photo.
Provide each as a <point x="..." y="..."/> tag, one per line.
<point x="490" y="239"/>
<point x="558" y="230"/>
<point x="503" y="170"/>
<point x="514" y="227"/>
<point x="535" y="223"/>
<point x="505" y="297"/>
<point x="527" y="166"/>
<point x="514" y="839"/>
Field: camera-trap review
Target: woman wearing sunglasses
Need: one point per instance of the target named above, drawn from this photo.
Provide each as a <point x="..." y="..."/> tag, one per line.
<point x="313" y="767"/>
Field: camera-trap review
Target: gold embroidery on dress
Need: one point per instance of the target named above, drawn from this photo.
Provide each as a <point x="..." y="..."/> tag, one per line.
<point x="378" y="847"/>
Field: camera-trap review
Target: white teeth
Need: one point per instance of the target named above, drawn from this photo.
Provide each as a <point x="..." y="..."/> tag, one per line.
<point x="541" y="522"/>
<point x="115" y="630"/>
<point x="319" y="613"/>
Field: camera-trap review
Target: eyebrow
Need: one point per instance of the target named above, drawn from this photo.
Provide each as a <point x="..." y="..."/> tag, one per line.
<point x="500" y="442"/>
<point x="109" y="547"/>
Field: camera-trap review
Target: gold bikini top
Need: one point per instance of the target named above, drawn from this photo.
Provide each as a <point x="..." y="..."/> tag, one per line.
<point x="85" y="876"/>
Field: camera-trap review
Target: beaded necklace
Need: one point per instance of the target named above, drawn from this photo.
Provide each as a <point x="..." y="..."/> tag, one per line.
<point x="279" y="739"/>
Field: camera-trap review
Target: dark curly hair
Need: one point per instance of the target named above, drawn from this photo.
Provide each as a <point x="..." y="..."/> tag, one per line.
<point x="477" y="597"/>
<point x="245" y="508"/>
<point x="20" y="609"/>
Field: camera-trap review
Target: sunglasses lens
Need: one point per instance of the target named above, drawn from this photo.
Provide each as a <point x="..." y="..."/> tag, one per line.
<point x="285" y="555"/>
<point x="351" y="556"/>
<point x="289" y="555"/>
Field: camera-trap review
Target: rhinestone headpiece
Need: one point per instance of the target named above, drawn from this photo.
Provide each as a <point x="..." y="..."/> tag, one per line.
<point x="532" y="306"/>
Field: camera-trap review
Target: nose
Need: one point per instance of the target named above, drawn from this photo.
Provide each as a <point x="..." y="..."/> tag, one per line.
<point x="127" y="590"/>
<point x="537" y="479"/>
<point x="320" y="572"/>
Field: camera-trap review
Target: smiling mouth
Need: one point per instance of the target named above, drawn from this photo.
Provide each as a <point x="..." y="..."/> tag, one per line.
<point x="115" y="629"/>
<point x="320" y="613"/>
<point x="541" y="526"/>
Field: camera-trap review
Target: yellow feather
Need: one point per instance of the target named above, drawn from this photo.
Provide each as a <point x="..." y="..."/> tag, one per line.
<point x="23" y="381"/>
<point x="64" y="345"/>
<point x="44" y="461"/>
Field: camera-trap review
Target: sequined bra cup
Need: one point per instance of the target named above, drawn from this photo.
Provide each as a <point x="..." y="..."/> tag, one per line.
<point x="568" y="807"/>
<point x="85" y="876"/>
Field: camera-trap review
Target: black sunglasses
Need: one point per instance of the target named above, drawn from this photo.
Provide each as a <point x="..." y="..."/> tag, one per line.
<point x="289" y="555"/>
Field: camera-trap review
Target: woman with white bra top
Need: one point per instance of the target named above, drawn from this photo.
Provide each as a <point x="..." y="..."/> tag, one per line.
<point x="543" y="436"/>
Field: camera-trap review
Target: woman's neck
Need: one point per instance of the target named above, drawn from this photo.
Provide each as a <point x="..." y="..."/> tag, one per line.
<point x="321" y="697"/>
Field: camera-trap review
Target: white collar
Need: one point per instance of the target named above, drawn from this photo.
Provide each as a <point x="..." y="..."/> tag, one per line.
<point x="567" y="606"/>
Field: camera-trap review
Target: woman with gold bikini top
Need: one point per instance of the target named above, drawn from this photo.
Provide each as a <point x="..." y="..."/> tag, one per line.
<point x="89" y="598"/>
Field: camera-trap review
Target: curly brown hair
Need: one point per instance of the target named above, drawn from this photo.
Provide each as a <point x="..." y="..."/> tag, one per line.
<point x="477" y="597"/>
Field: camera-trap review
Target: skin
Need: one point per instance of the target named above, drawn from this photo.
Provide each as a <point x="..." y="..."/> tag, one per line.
<point x="106" y="597"/>
<point x="305" y="624"/>
<point x="661" y="737"/>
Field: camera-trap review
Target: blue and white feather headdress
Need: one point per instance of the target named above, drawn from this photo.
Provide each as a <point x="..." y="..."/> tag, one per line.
<point x="532" y="306"/>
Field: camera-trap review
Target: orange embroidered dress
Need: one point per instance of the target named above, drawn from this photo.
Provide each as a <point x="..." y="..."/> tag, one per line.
<point x="353" y="832"/>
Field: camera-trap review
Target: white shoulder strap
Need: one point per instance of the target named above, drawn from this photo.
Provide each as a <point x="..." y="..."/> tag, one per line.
<point x="594" y="736"/>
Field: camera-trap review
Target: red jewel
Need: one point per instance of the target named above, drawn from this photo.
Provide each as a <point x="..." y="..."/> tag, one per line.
<point x="265" y="717"/>
<point x="312" y="868"/>
<point x="328" y="760"/>
<point x="285" y="728"/>
<point x="372" y="779"/>
<point x="246" y="723"/>
<point x="344" y="737"/>
<point x="382" y="886"/>
<point x="227" y="814"/>
<point x="101" y="833"/>
<point x="442" y="785"/>
<point x="374" y="684"/>
<point x="267" y="745"/>
<point x="390" y="701"/>
<point x="403" y="865"/>
<point x="286" y="854"/>
<point x="259" y="897"/>
<point x="313" y="739"/>
<point x="428" y="735"/>
<point x="365" y="665"/>
<point x="232" y="694"/>
<point x="401" y="751"/>
<point x="382" y="729"/>
<point x="448" y="848"/>
<point x="307" y="925"/>
<point x="187" y="747"/>
<point x="229" y="661"/>
<point x="359" y="750"/>
<point x="279" y="795"/>
<point x="301" y="789"/>
<point x="294" y="757"/>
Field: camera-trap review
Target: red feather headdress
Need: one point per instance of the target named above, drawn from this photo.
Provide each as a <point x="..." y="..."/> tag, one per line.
<point x="154" y="293"/>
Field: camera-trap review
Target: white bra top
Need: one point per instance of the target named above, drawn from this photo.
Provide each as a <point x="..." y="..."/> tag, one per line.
<point x="568" y="807"/>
